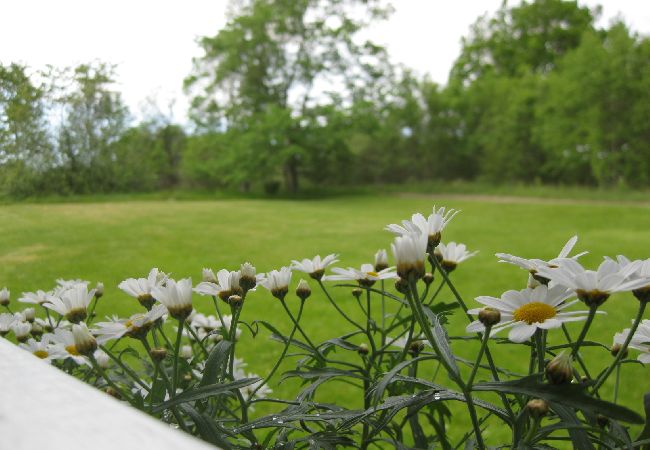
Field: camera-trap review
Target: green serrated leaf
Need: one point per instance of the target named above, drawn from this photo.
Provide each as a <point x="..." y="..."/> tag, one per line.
<point x="214" y="364"/>
<point x="570" y="395"/>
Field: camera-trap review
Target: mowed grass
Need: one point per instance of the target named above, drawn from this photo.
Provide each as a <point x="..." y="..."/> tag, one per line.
<point x="111" y="241"/>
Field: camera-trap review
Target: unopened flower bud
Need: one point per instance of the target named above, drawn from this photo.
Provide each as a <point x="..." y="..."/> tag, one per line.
<point x="363" y="349"/>
<point x="303" y="291"/>
<point x="356" y="292"/>
<point x="602" y="421"/>
<point x="29" y="314"/>
<point x="247" y="280"/>
<point x="402" y="285"/>
<point x="616" y="349"/>
<point x="235" y="300"/>
<point x="416" y="347"/>
<point x="489" y="316"/>
<point x="84" y="342"/>
<point x="381" y="260"/>
<point x="99" y="290"/>
<point x="158" y="354"/>
<point x="428" y="278"/>
<point x="559" y="369"/>
<point x="4" y="297"/>
<point x="113" y="393"/>
<point x="537" y="407"/>
<point x="186" y="351"/>
<point x="21" y="331"/>
<point x="187" y="377"/>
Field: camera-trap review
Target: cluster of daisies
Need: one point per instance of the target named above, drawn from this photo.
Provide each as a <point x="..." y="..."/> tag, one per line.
<point x="556" y="285"/>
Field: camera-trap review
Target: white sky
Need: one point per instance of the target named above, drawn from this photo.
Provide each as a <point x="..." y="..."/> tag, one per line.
<point x="153" y="41"/>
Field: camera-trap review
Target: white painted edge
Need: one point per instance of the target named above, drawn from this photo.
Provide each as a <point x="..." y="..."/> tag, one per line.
<point x="41" y="407"/>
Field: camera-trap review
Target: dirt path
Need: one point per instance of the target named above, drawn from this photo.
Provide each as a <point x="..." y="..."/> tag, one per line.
<point x="488" y="198"/>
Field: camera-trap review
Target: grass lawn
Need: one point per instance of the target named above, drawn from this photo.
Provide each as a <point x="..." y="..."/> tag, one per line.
<point x="111" y="241"/>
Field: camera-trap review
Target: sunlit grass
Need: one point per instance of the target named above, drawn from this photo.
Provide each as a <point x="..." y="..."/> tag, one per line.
<point x="111" y="241"/>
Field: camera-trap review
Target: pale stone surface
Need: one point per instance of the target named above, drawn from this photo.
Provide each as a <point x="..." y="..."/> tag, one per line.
<point x="41" y="407"/>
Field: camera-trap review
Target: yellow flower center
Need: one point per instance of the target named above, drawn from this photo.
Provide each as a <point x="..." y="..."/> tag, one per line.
<point x="72" y="350"/>
<point x="372" y="274"/>
<point x="534" y="312"/>
<point x="41" y="354"/>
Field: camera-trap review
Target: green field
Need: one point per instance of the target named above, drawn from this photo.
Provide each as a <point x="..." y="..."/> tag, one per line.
<point x="111" y="241"/>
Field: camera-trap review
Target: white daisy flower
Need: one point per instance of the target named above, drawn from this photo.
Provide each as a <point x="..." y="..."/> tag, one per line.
<point x="185" y="352"/>
<point x="263" y="391"/>
<point x="65" y="341"/>
<point x="73" y="302"/>
<point x="44" y="350"/>
<point x="381" y="260"/>
<point x="21" y="330"/>
<point x="452" y="254"/>
<point x="248" y="277"/>
<point x="410" y="251"/>
<point x="102" y="358"/>
<point x="140" y="288"/>
<point x="6" y="320"/>
<point x="176" y="296"/>
<point x="314" y="267"/>
<point x="226" y="285"/>
<point x="29" y="314"/>
<point x="37" y="298"/>
<point x="640" y="340"/>
<point x="136" y="326"/>
<point x="365" y="276"/>
<point x="593" y="287"/>
<point x="636" y="270"/>
<point x="277" y="281"/>
<point x="529" y="309"/>
<point x="85" y="343"/>
<point x="4" y="296"/>
<point x="431" y="226"/>
<point x="533" y="265"/>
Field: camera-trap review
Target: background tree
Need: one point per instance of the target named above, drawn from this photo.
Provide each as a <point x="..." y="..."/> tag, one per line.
<point x="276" y="56"/>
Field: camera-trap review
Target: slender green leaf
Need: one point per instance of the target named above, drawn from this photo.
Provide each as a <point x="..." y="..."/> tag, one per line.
<point x="213" y="365"/>
<point x="204" y="392"/>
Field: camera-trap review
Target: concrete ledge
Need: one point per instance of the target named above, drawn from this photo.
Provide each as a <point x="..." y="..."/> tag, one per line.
<point x="41" y="407"/>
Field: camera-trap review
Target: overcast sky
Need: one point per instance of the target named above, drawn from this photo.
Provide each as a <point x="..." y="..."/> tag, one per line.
<point x="153" y="41"/>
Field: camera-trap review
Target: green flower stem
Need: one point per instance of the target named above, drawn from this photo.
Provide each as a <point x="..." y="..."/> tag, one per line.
<point x="49" y="318"/>
<point x="618" y="379"/>
<point x="435" y="294"/>
<point x="101" y="372"/>
<point x="232" y="337"/>
<point x="196" y="338"/>
<point x="179" y="336"/>
<point x="125" y="368"/>
<point x="532" y="430"/>
<point x="369" y="326"/>
<point x="583" y="333"/>
<point x="383" y="314"/>
<point x="579" y="358"/>
<point x="154" y="379"/>
<point x="92" y="311"/>
<point x="409" y="338"/>
<point x="623" y="349"/>
<point x="8" y="309"/>
<point x="540" y="349"/>
<point x="416" y="306"/>
<point x="484" y="341"/>
<point x="216" y="307"/>
<point x="162" y="333"/>
<point x="284" y="353"/>
<point x="297" y="325"/>
<point x="488" y="354"/>
<point x="345" y="316"/>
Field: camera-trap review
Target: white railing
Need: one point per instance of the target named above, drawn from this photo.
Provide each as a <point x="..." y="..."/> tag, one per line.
<point x="43" y="408"/>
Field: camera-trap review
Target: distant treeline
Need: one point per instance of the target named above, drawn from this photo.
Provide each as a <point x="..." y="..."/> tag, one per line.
<point x="285" y="96"/>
